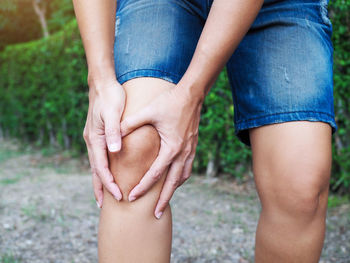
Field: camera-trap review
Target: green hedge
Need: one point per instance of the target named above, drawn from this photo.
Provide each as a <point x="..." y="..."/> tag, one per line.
<point x="340" y="16"/>
<point x="43" y="90"/>
<point x="44" y="100"/>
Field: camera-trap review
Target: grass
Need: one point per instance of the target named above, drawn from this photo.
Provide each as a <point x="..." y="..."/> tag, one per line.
<point x="31" y="211"/>
<point x="8" y="154"/>
<point x="7" y="181"/>
<point x="11" y="148"/>
<point x="8" y="258"/>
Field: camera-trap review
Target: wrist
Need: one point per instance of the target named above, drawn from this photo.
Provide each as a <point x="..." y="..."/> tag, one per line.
<point x="192" y="91"/>
<point x="100" y="76"/>
<point x="199" y="76"/>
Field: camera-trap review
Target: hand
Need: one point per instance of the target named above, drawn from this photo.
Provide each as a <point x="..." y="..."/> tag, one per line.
<point x="176" y="118"/>
<point x="106" y="105"/>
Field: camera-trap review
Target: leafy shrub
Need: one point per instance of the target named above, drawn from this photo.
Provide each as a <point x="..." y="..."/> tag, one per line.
<point x="340" y="17"/>
<point x="43" y="90"/>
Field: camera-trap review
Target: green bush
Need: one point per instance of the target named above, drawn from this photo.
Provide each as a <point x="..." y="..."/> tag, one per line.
<point x="340" y="17"/>
<point x="219" y="150"/>
<point x="43" y="90"/>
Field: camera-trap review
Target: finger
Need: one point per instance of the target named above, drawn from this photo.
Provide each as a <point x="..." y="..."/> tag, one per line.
<point x="171" y="183"/>
<point x="154" y="173"/>
<point x="132" y="122"/>
<point x="112" y="131"/>
<point x="96" y="182"/>
<point x="189" y="162"/>
<point x="102" y="170"/>
<point x="187" y="168"/>
<point x="98" y="189"/>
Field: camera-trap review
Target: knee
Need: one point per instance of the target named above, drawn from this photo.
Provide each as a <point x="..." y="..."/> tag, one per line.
<point x="301" y="192"/>
<point x="139" y="149"/>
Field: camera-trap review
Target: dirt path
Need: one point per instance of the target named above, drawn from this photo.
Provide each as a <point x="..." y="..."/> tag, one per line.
<point x="45" y="218"/>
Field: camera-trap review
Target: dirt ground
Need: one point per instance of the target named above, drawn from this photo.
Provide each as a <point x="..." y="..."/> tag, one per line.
<point x="48" y="214"/>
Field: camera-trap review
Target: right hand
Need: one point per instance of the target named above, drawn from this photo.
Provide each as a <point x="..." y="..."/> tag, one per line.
<point x="102" y="130"/>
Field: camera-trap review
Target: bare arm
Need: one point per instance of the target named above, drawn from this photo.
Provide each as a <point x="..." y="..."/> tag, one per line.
<point x="96" y="20"/>
<point x="175" y="114"/>
<point x="227" y="23"/>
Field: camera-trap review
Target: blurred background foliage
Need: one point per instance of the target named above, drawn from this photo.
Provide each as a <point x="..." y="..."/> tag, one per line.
<point x="44" y="100"/>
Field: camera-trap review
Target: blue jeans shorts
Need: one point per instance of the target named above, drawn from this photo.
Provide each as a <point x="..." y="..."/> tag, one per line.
<point x="281" y="71"/>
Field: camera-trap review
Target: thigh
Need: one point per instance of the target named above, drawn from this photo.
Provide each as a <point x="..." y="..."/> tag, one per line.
<point x="292" y="164"/>
<point x="282" y="69"/>
<point x="156" y="38"/>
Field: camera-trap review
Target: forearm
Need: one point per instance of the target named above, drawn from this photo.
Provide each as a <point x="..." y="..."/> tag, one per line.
<point x="96" y="20"/>
<point x="227" y="23"/>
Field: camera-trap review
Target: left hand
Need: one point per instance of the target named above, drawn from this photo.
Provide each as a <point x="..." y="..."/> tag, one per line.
<point x="175" y="115"/>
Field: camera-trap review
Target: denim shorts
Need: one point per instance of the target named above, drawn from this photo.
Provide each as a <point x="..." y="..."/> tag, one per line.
<point x="281" y="70"/>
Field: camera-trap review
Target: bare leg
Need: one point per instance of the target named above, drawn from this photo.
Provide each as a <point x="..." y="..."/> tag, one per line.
<point x="291" y="165"/>
<point x="128" y="231"/>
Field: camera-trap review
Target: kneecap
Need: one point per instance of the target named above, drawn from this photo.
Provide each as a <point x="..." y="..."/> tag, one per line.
<point x="139" y="149"/>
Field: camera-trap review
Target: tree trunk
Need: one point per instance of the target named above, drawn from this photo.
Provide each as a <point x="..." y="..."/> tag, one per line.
<point x="213" y="163"/>
<point x="1" y="134"/>
<point x="66" y="138"/>
<point x="40" y="10"/>
<point x="51" y="134"/>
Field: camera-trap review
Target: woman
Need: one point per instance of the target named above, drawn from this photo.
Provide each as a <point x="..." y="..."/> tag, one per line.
<point x="167" y="54"/>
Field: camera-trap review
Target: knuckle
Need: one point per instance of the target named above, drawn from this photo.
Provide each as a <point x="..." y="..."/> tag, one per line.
<point x="176" y="145"/>
<point x="174" y="149"/>
<point x="191" y="135"/>
<point x="86" y="136"/>
<point x="174" y="181"/>
<point x="186" y="176"/>
<point x="180" y="141"/>
<point x="156" y="174"/>
<point x="187" y="151"/>
<point x="192" y="155"/>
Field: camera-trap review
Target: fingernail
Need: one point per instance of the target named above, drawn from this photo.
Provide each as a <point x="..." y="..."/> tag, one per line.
<point x="159" y="214"/>
<point x="118" y="197"/>
<point x="98" y="205"/>
<point x="132" y="198"/>
<point x="113" y="147"/>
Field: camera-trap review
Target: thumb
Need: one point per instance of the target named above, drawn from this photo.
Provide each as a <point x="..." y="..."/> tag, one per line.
<point x="132" y="122"/>
<point x="112" y="132"/>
